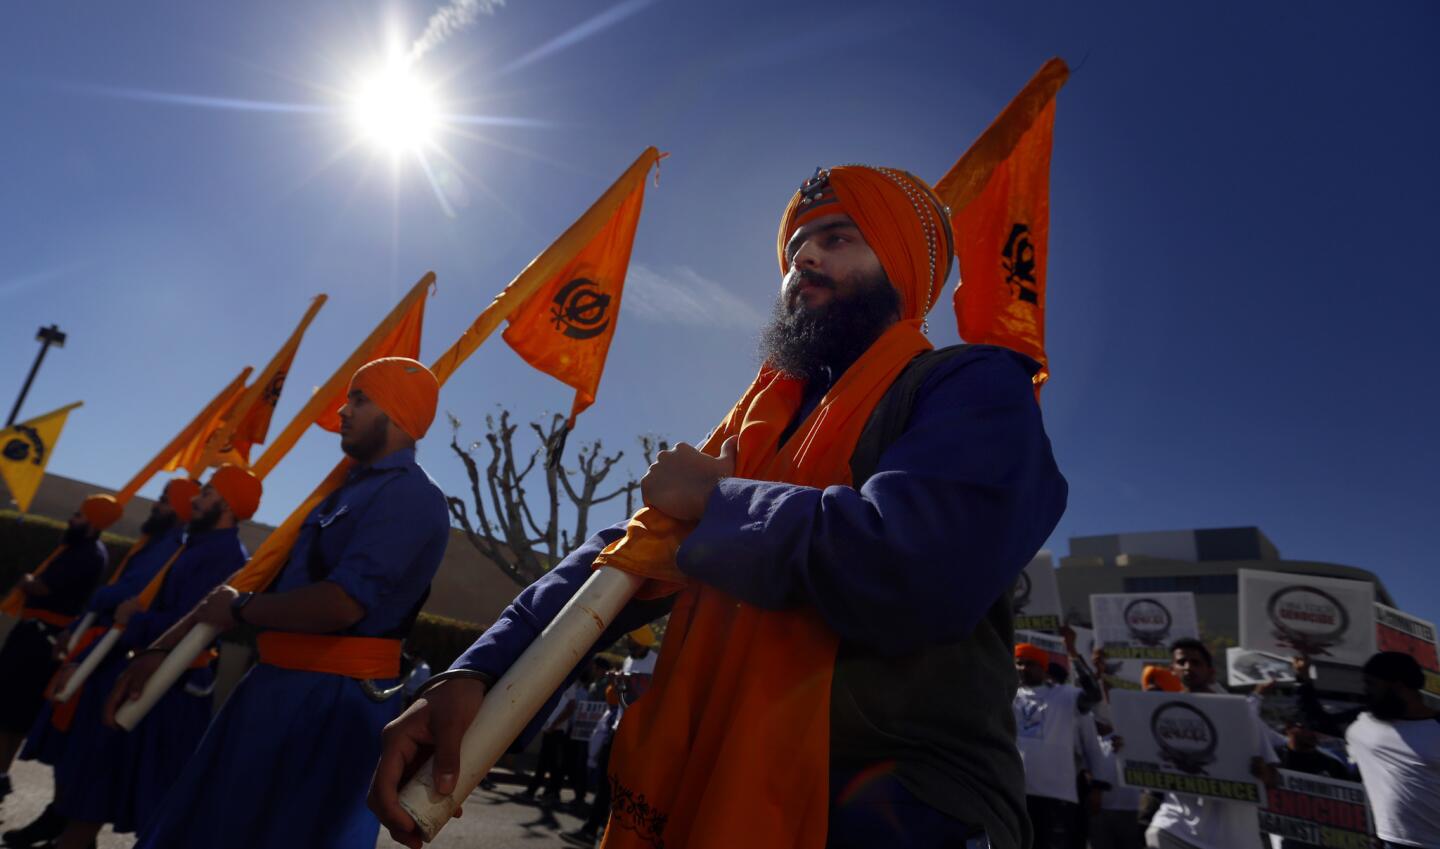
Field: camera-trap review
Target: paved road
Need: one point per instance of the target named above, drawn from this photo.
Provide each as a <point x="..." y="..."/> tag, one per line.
<point x="499" y="819"/>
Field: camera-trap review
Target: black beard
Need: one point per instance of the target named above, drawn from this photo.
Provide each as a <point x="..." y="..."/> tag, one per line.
<point x="157" y="525"/>
<point x="365" y="447"/>
<point x="202" y="523"/>
<point x="806" y="343"/>
<point x="76" y="535"/>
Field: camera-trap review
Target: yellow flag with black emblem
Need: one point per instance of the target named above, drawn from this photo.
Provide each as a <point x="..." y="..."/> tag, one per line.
<point x="25" y="450"/>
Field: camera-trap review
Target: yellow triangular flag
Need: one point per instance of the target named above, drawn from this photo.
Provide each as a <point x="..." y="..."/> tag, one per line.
<point x="25" y="450"/>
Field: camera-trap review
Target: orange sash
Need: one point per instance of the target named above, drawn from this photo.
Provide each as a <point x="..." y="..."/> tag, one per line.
<point x="353" y="657"/>
<point x="50" y="617"/>
<point x="14" y="602"/>
<point x="731" y="744"/>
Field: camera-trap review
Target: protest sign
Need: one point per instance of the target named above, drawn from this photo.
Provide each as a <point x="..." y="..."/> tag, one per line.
<point x="587" y="716"/>
<point x="1318" y="811"/>
<point x="1188" y="743"/>
<point x="1396" y="630"/>
<point x="1284" y="613"/>
<point x="1035" y="598"/>
<point x="1247" y="667"/>
<point x="1053" y="645"/>
<point x="1141" y="626"/>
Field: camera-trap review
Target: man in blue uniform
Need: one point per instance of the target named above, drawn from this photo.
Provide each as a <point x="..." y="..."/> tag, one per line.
<point x="106" y="775"/>
<point x="287" y="760"/>
<point x="47" y="601"/>
<point x="952" y="489"/>
<point x="161" y="536"/>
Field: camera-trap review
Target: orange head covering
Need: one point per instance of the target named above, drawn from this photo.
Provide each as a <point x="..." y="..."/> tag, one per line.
<point x="178" y="493"/>
<point x="240" y="489"/>
<point x="101" y="511"/>
<point x="1160" y="678"/>
<point x="902" y="221"/>
<point x="404" y="388"/>
<point x="1032" y="653"/>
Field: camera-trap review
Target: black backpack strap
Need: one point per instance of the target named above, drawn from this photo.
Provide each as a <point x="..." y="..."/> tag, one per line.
<point x="891" y="416"/>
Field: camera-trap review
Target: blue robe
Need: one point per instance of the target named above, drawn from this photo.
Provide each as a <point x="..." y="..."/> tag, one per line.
<point x="46" y="742"/>
<point x="107" y="775"/>
<point x="916" y="556"/>
<point x="287" y="761"/>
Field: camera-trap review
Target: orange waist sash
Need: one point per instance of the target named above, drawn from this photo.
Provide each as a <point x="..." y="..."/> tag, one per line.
<point x="353" y="657"/>
<point x="50" y="617"/>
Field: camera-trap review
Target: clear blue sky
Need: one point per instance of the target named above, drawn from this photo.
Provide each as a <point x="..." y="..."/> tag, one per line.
<point x="1239" y="312"/>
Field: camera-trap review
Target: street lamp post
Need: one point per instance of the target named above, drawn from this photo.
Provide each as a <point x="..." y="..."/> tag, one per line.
<point x="46" y="337"/>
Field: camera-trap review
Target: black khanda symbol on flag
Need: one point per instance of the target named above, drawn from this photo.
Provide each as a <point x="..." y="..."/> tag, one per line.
<point x="18" y="450"/>
<point x="581" y="310"/>
<point x="1019" y="263"/>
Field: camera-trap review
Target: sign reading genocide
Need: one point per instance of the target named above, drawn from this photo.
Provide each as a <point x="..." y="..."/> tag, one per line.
<point x="1035" y="598"/>
<point x="1318" y="811"/>
<point x="1286" y="614"/>
<point x="1188" y="743"/>
<point x="1396" y="630"/>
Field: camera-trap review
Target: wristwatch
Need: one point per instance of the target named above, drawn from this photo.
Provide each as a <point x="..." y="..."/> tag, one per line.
<point x="238" y="605"/>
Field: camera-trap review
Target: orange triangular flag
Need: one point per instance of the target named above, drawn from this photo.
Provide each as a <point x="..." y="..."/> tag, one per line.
<point x="565" y="328"/>
<point x="397" y="335"/>
<point x="999" y="198"/>
<point x="249" y="422"/>
<point x="191" y="437"/>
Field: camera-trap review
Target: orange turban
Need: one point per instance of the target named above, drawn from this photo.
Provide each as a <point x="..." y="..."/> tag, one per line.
<point x="902" y="221"/>
<point x="240" y="489"/>
<point x="178" y="493"/>
<point x="101" y="511"/>
<point x="404" y="389"/>
<point x="1032" y="653"/>
<point x="1160" y="678"/>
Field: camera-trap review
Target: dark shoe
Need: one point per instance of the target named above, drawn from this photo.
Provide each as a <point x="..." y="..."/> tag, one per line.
<point x="44" y="829"/>
<point x="580" y="837"/>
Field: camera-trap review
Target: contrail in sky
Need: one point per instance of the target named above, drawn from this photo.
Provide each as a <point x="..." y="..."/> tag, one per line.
<point x="450" y="20"/>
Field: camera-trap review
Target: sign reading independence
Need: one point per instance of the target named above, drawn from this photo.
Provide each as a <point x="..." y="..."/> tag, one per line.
<point x="1035" y="598"/>
<point x="1318" y="811"/>
<point x="1188" y="743"/>
<point x="1327" y="618"/>
<point x="1136" y="629"/>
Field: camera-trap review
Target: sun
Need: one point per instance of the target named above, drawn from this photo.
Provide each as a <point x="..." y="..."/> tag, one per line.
<point x="395" y="109"/>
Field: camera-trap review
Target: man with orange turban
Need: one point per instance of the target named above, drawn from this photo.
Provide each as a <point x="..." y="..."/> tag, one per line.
<point x="837" y="556"/>
<point x="47" y="601"/>
<point x="287" y="760"/>
<point x="104" y="775"/>
<point x="160" y="537"/>
<point x="1050" y="724"/>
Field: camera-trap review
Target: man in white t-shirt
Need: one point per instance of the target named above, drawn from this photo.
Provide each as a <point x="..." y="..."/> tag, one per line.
<point x="1197" y="822"/>
<point x="1395" y="740"/>
<point x="1046" y="733"/>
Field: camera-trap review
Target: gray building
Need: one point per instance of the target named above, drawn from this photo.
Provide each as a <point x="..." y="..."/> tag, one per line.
<point x="1203" y="562"/>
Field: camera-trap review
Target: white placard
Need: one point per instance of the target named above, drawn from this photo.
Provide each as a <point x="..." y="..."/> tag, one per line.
<point x="1247" y="667"/>
<point x="1396" y="630"/>
<point x="1141" y="626"/>
<point x="1318" y="811"/>
<point x="1035" y="598"/>
<point x="1190" y="743"/>
<point x="1053" y="645"/>
<point x="1326" y="618"/>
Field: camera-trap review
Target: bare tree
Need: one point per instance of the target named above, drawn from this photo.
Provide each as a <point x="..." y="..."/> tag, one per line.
<point x="508" y="531"/>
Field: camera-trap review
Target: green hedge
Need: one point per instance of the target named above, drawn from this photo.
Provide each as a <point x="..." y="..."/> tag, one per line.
<point x="26" y="540"/>
<point x="440" y="639"/>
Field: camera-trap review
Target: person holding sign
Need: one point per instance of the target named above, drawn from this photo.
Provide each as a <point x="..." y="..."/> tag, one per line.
<point x="1047" y="730"/>
<point x="330" y="636"/>
<point x="1184" y="821"/>
<point x="845" y="624"/>
<point x="1395" y="740"/>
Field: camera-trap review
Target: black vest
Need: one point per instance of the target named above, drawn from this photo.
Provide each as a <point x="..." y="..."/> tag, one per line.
<point x="943" y="715"/>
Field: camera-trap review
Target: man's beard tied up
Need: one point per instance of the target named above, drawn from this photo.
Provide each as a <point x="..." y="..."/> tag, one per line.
<point x="808" y="343"/>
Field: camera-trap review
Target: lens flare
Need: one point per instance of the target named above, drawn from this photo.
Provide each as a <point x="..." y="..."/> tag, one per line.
<point x="396" y="110"/>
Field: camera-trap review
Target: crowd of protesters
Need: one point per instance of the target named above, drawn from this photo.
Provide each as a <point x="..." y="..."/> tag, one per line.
<point x="1389" y="742"/>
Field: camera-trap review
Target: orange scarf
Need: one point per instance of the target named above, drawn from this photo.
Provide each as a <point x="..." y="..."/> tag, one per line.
<point x="731" y="744"/>
<point x="14" y="602"/>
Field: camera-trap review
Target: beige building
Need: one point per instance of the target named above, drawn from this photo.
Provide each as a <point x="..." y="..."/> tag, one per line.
<point x="1203" y="562"/>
